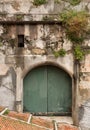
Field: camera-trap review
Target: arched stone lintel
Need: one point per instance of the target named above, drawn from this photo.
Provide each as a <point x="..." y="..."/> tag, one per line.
<point x="54" y="63"/>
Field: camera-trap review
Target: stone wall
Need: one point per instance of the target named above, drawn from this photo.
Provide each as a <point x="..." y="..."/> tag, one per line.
<point x="40" y="40"/>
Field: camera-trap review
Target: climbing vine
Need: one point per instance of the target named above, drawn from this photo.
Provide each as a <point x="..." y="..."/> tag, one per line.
<point x="76" y="28"/>
<point x="6" y="112"/>
<point x="19" y="17"/>
<point x="61" y="52"/>
<point x="74" y="2"/>
<point x="78" y="52"/>
<point x="75" y="24"/>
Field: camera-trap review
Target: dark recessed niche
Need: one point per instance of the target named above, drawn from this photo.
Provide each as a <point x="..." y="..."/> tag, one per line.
<point x="20" y="40"/>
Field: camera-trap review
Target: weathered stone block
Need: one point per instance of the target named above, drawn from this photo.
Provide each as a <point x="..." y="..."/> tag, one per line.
<point x="1" y="30"/>
<point x="7" y="98"/>
<point x="85" y="118"/>
<point x="85" y="64"/>
<point x="38" y="51"/>
<point x="14" y="60"/>
<point x="33" y="32"/>
<point x="3" y="69"/>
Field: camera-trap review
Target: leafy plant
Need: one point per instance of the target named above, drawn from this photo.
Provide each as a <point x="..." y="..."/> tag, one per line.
<point x="1" y="44"/>
<point x="6" y="112"/>
<point x="61" y="53"/>
<point x="78" y="53"/>
<point x="77" y="29"/>
<point x="56" y="53"/>
<point x="12" y="42"/>
<point x="19" y="17"/>
<point x="74" y="2"/>
<point x="57" y="1"/>
<point x="75" y="24"/>
<point x="39" y="2"/>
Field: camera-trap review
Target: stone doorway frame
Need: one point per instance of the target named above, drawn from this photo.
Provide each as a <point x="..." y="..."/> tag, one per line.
<point x="19" y="89"/>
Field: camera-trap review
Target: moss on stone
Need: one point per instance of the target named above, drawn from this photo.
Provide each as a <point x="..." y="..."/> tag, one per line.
<point x="39" y="2"/>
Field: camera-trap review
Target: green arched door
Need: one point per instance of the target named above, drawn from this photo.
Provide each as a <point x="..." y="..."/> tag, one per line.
<point x="47" y="90"/>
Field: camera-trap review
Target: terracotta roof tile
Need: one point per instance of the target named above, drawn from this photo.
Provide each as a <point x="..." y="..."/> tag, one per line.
<point x="66" y="127"/>
<point x="9" y="124"/>
<point x="18" y="121"/>
<point x="21" y="116"/>
<point x="1" y="108"/>
<point x="42" y="122"/>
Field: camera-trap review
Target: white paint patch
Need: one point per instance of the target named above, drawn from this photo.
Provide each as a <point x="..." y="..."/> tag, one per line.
<point x="27" y="31"/>
<point x="1" y="30"/>
<point x="3" y="69"/>
<point x="7" y="82"/>
<point x="8" y="8"/>
<point x="40" y="30"/>
<point x="85" y="121"/>
<point x="40" y="44"/>
<point x="7" y="98"/>
<point x="25" y="6"/>
<point x="84" y="84"/>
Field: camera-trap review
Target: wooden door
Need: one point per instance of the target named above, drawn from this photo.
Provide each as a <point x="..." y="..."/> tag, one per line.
<point x="47" y="90"/>
<point x="35" y="91"/>
<point x="59" y="91"/>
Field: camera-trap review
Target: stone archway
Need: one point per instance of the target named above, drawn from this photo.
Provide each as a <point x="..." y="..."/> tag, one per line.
<point x="47" y="90"/>
<point x="38" y="61"/>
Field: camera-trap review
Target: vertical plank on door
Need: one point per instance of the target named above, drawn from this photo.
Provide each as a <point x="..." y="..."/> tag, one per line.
<point x="59" y="90"/>
<point x="35" y="90"/>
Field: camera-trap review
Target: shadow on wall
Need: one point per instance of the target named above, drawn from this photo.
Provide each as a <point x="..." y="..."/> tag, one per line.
<point x="84" y="116"/>
<point x="7" y="89"/>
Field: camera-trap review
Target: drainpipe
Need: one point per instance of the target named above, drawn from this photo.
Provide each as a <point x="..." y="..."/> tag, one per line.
<point x="76" y="93"/>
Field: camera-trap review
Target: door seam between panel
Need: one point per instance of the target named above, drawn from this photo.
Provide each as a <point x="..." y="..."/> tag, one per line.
<point x="47" y="88"/>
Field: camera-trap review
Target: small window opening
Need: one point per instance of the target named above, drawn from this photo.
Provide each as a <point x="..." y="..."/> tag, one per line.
<point x="20" y="40"/>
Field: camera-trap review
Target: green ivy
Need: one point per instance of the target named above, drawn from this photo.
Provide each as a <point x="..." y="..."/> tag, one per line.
<point x="74" y="2"/>
<point x="19" y="17"/>
<point x="57" y="1"/>
<point x="61" y="53"/>
<point x="1" y="44"/>
<point x="39" y="2"/>
<point x="6" y="112"/>
<point x="77" y="29"/>
<point x="76" y="25"/>
<point x="78" y="52"/>
<point x="74" y="38"/>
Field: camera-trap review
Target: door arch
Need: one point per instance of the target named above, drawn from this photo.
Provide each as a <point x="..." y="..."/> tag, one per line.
<point x="47" y="90"/>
